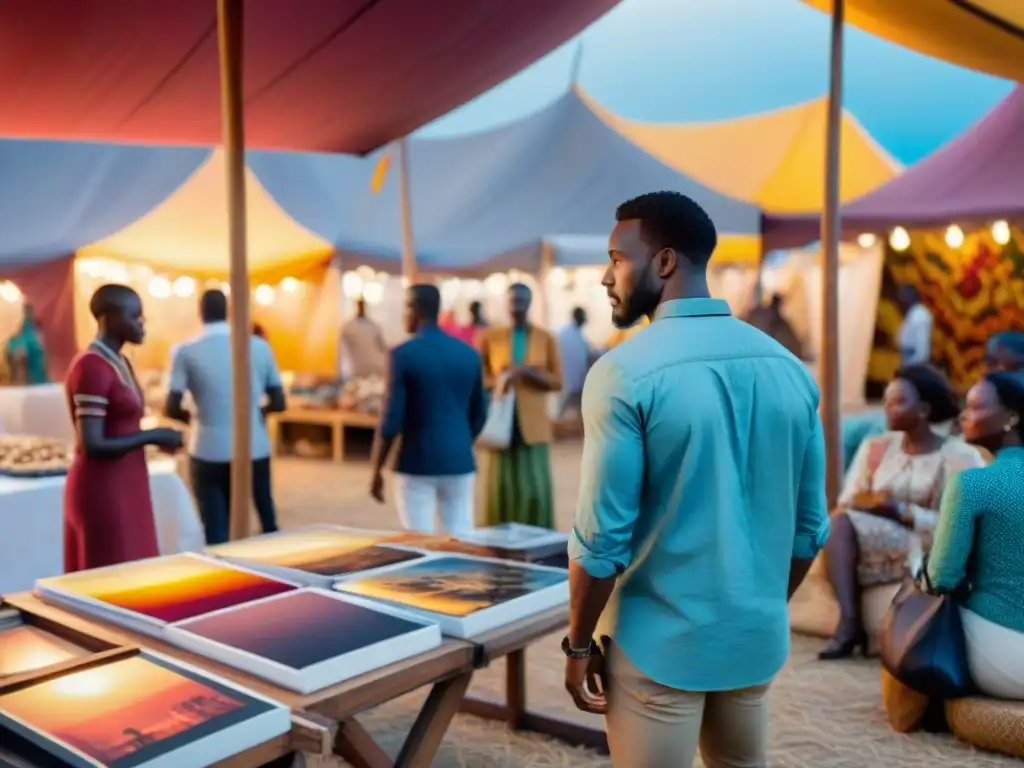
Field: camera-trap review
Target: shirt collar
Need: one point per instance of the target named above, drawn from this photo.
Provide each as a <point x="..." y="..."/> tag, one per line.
<point x="693" y="308"/>
<point x="216" y="329"/>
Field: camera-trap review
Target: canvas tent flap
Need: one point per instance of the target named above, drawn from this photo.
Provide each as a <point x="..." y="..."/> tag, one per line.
<point x="321" y="74"/>
<point x="775" y="160"/>
<point x="975" y="178"/>
<point x="188" y="232"/>
<point x="983" y="35"/>
<point x="57" y="196"/>
<point x="558" y="171"/>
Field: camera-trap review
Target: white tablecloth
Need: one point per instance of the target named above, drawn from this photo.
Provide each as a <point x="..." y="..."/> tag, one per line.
<point x="39" y="410"/>
<point x="32" y="526"/>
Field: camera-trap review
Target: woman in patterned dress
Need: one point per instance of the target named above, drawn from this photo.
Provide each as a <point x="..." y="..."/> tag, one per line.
<point x="888" y="507"/>
<point x="108" y="513"/>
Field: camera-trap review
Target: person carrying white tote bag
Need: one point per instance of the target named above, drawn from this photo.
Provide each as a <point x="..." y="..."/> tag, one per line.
<point x="501" y="417"/>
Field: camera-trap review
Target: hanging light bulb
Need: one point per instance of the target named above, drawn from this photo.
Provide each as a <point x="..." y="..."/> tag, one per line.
<point x="373" y="293"/>
<point x="159" y="287"/>
<point x="184" y="287"/>
<point x="1001" y="232"/>
<point x="558" y="277"/>
<point x="225" y="288"/>
<point x="352" y="285"/>
<point x="954" y="236"/>
<point x="496" y="283"/>
<point x="899" y="239"/>
<point x="264" y="295"/>
<point x="365" y="272"/>
<point x="866" y="240"/>
<point x="9" y="292"/>
<point x="289" y="285"/>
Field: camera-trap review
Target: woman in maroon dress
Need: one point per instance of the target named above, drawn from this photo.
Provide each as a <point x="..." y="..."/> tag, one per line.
<point x="108" y="513"/>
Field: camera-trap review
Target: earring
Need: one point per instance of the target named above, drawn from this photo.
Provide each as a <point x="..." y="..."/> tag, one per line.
<point x="1007" y="427"/>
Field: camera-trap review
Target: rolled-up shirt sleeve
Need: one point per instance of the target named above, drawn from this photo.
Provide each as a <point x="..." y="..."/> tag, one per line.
<point x="611" y="473"/>
<point x="812" y="506"/>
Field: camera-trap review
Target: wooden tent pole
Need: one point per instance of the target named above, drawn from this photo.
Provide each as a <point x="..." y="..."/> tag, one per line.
<point x="230" y="34"/>
<point x="405" y="203"/>
<point x="829" y="367"/>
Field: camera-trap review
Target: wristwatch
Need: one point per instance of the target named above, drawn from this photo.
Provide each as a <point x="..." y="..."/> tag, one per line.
<point x="576" y="653"/>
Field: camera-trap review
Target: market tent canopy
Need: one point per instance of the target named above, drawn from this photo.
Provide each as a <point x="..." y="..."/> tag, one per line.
<point x="56" y="197"/>
<point x="975" y="178"/>
<point x="984" y="35"/>
<point x="775" y="160"/>
<point x="331" y="75"/>
<point x="486" y="201"/>
<point x="188" y="232"/>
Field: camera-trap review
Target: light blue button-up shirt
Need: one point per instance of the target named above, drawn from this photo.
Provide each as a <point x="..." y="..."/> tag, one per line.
<point x="703" y="476"/>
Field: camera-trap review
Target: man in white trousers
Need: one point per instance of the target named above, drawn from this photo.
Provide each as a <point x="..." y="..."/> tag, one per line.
<point x="435" y="401"/>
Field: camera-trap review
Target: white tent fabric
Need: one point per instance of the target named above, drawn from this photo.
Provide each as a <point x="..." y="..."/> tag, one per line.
<point x="860" y="284"/>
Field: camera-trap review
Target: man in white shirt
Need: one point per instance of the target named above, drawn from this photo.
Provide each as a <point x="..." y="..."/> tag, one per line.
<point x="575" y="354"/>
<point x="915" y="336"/>
<point x="202" y="367"/>
<point x="361" y="347"/>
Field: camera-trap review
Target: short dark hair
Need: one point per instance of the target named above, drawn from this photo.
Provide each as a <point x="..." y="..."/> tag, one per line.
<point x="933" y="388"/>
<point x="579" y="315"/>
<point x="673" y="220"/>
<point x="108" y="298"/>
<point x="1010" y="391"/>
<point x="1011" y="341"/>
<point x="426" y="300"/>
<point x="520" y="287"/>
<point x="213" y="306"/>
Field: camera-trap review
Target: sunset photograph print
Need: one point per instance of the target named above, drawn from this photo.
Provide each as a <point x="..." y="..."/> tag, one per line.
<point x="171" y="588"/>
<point x="118" y="709"/>
<point x="454" y="586"/>
<point x="318" y="550"/>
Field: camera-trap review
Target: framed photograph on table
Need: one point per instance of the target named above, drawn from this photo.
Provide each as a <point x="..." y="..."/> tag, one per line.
<point x="316" y="556"/>
<point x="139" y="710"/>
<point x="465" y="595"/>
<point x="307" y="640"/>
<point x="146" y="595"/>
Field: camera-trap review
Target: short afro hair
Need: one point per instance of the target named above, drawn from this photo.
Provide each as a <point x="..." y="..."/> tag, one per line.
<point x="108" y="298"/>
<point x="933" y="388"/>
<point x="673" y="220"/>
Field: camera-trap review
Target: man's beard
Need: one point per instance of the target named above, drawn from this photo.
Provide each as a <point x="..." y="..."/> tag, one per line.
<point x="642" y="301"/>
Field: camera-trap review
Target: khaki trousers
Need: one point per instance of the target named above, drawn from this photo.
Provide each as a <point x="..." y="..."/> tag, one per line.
<point x="652" y="726"/>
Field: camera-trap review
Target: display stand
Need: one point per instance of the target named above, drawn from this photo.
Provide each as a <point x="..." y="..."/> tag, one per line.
<point x="335" y="420"/>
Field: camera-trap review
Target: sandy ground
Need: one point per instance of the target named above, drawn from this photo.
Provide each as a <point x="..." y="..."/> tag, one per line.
<point x="823" y="715"/>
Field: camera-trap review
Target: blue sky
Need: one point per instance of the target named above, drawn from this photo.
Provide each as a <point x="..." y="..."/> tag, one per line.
<point x="681" y="60"/>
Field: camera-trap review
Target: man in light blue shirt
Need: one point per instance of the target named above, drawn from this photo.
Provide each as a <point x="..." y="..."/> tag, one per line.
<point x="202" y="367"/>
<point x="702" y="505"/>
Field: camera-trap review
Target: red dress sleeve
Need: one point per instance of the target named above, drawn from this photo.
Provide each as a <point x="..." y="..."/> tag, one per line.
<point x="89" y="382"/>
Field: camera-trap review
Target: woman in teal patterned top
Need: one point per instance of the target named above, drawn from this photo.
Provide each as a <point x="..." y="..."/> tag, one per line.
<point x="979" y="540"/>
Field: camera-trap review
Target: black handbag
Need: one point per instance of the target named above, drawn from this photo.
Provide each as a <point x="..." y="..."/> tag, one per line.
<point x="922" y="641"/>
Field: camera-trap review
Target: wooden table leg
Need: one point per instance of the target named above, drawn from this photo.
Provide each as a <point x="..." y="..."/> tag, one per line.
<point x="355" y="745"/>
<point x="338" y="442"/>
<point x="519" y="717"/>
<point x="432" y="723"/>
<point x="274" y="433"/>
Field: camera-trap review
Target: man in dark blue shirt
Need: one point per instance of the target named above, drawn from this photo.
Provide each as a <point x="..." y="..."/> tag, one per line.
<point x="435" y="401"/>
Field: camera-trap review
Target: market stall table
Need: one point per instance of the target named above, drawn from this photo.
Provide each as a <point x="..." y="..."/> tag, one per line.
<point x="336" y="420"/>
<point x="325" y="721"/>
<point x="40" y="410"/>
<point x="32" y="527"/>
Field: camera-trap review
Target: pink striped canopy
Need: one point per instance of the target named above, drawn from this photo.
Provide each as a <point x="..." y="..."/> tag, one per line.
<point x="330" y="75"/>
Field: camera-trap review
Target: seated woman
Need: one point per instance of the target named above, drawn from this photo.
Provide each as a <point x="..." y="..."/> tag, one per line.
<point x="979" y="542"/>
<point x="887" y="509"/>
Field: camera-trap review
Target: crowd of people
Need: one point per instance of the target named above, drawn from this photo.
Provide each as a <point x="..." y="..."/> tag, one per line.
<point x="702" y="498"/>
